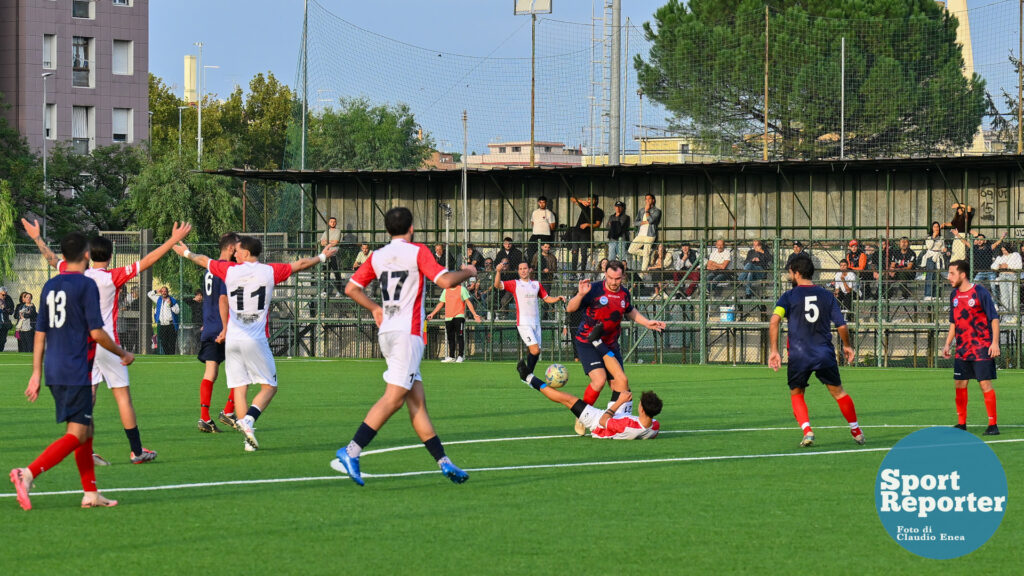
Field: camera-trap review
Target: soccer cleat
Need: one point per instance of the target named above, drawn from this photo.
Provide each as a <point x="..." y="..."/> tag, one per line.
<point x="960" y="427"/>
<point x="858" y="435"/>
<point x="579" y="428"/>
<point x="245" y="444"/>
<point x="208" y="427"/>
<point x="22" y="480"/>
<point x="146" y="456"/>
<point x="447" y="359"/>
<point x="351" y="466"/>
<point x="454" y="473"/>
<point x="96" y="500"/>
<point x="807" y="441"/>
<point x="523" y="371"/>
<point x="98" y="460"/>
<point x="992" y="430"/>
<point x="245" y="428"/>
<point x="228" y="419"/>
<point x="460" y="360"/>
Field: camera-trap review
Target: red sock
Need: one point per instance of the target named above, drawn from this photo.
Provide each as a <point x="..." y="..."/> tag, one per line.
<point x="53" y="454"/>
<point x="846" y="407"/>
<point x="800" y="412"/>
<point x="990" y="406"/>
<point x="961" y="406"/>
<point x="86" y="467"/>
<point x="229" y="406"/>
<point x="205" y="394"/>
<point x="591" y="395"/>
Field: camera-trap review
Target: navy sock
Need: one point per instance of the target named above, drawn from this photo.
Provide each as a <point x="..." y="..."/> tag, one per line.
<point x="537" y="383"/>
<point x="531" y="362"/>
<point x="134" y="440"/>
<point x="364" y="435"/>
<point x="254" y="412"/>
<point x="435" y="448"/>
<point x="578" y="408"/>
<point x="615" y="396"/>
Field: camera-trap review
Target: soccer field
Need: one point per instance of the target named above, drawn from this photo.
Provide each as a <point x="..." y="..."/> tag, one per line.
<point x="723" y="489"/>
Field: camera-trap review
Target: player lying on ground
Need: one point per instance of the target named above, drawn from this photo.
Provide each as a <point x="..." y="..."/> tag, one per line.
<point x="402" y="268"/>
<point x="974" y="323"/>
<point x="107" y="367"/>
<point x="526" y="293"/>
<point x="69" y="315"/>
<point x="211" y="340"/>
<point x="811" y="311"/>
<point x="613" y="422"/>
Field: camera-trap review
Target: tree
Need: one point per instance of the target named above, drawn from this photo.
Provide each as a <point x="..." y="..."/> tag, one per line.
<point x="905" y="92"/>
<point x="91" y="190"/>
<point x="7" y="234"/>
<point x="20" y="168"/>
<point x="1004" y="124"/>
<point x="359" y="136"/>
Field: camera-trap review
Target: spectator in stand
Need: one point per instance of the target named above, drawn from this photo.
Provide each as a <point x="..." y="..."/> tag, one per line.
<point x="901" y="269"/>
<point x="474" y="257"/>
<point x="510" y="256"/>
<point x="1008" y="265"/>
<point x="798" y="249"/>
<point x="166" y="315"/>
<point x="963" y="216"/>
<point x="647" y="220"/>
<point x="758" y="260"/>
<point x="718" y="261"/>
<point x="656" y="270"/>
<point x="845" y="285"/>
<point x="618" y="232"/>
<point x="364" y="253"/>
<point x="934" y="259"/>
<point x="857" y="261"/>
<point x="443" y="257"/>
<point x="544" y="224"/>
<point x="6" y="316"/>
<point x="582" y="234"/>
<point x="869" y="277"/>
<point x="982" y="255"/>
<point x="332" y="237"/>
<point x="25" y="323"/>
<point x="544" y="264"/>
<point x="688" y="259"/>
<point x="602" y="266"/>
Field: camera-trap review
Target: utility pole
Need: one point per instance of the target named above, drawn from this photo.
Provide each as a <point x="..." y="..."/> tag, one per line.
<point x="533" y="82"/>
<point x="305" y="109"/>
<point x="46" y="180"/>
<point x="180" y="108"/>
<point x="615" y="103"/>
<point x="199" y="105"/>
<point x="764" y="146"/>
<point x="465" y="181"/>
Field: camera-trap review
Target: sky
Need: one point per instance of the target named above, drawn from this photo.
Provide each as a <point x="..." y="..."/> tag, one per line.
<point x="244" y="37"/>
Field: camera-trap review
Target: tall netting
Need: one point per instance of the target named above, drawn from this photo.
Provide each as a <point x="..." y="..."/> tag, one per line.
<point x="866" y="87"/>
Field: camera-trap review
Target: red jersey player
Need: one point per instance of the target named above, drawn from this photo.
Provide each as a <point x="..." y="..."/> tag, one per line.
<point x="402" y="269"/>
<point x="974" y="322"/>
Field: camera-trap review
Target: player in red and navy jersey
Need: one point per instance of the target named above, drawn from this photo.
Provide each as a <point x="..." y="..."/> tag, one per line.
<point x="811" y="310"/>
<point x="106" y="367"/>
<point x="402" y="270"/>
<point x="68" y="328"/>
<point x="974" y="322"/>
<point x="605" y="303"/>
<point x="211" y="340"/>
<point x="527" y="292"/>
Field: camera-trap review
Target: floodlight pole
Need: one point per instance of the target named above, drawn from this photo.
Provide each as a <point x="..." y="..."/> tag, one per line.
<point x="764" y="145"/>
<point x="46" y="180"/>
<point x="614" y="112"/>
<point x="533" y="82"/>
<point x="199" y="106"/>
<point x="842" y="99"/>
<point x="465" y="196"/>
<point x="1020" y="73"/>
<point x="305" y="108"/>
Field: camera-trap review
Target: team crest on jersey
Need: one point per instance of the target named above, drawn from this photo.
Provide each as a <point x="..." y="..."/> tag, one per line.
<point x="603" y="300"/>
<point x="622" y="304"/>
<point x="971" y="302"/>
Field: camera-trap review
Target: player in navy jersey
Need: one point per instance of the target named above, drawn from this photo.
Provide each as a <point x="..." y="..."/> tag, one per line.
<point x="811" y="310"/>
<point x="974" y="322"/>
<point x="211" y="340"/>
<point x="606" y="303"/>
<point x="69" y="326"/>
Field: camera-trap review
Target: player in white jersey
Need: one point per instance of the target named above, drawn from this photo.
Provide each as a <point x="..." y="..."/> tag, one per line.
<point x="402" y="269"/>
<point x="106" y="366"/>
<point x="527" y="292"/>
<point x="248" y="359"/>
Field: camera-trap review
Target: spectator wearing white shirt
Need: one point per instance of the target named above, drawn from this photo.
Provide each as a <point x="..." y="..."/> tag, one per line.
<point x="845" y="285"/>
<point x="544" y="222"/>
<point x="718" y="263"/>
<point x="166" y="317"/>
<point x="1008" y="265"/>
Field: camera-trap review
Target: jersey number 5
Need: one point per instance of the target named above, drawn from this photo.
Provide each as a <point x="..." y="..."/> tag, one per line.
<point x="811" y="311"/>
<point x="385" y="294"/>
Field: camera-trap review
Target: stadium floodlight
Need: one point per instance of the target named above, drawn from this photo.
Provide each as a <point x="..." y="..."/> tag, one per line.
<point x="532" y="7"/>
<point x="526" y="7"/>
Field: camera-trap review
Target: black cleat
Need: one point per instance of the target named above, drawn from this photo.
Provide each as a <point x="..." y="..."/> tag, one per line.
<point x="228" y="419"/>
<point x="992" y="430"/>
<point x="521" y="368"/>
<point x="208" y="427"/>
<point x="961" y="427"/>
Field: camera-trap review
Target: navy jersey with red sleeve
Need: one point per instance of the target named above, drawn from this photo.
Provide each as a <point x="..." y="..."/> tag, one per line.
<point x="810" y="312"/>
<point x="971" y="313"/>
<point x="606" y="307"/>
<point x="69" y="309"/>
<point x="213" y="289"/>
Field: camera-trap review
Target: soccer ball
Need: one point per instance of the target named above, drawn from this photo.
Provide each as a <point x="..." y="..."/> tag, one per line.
<point x="556" y="375"/>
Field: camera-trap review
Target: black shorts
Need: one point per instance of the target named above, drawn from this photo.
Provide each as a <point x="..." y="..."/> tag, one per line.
<point x="827" y="374"/>
<point x="211" y="351"/>
<point x="590" y="358"/>
<point x="74" y="403"/>
<point x="974" y="369"/>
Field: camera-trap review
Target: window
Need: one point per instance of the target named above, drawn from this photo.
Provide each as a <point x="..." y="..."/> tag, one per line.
<point x="684" y="148"/>
<point x="81" y="48"/>
<point x="122" y="3"/>
<point x="50" y="122"/>
<point x="122" y="125"/>
<point x="547" y="148"/>
<point x="82" y="9"/>
<point x="517" y="149"/>
<point x="501" y="149"/>
<point x="122" y="64"/>
<point x="82" y="123"/>
<point x="49" y="51"/>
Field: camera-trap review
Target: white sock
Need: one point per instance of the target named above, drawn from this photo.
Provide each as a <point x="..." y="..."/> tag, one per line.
<point x="443" y="461"/>
<point x="353" y="449"/>
<point x="854" y="424"/>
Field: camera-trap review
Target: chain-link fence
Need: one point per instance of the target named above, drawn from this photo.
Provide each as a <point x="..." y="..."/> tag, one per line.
<point x="717" y="298"/>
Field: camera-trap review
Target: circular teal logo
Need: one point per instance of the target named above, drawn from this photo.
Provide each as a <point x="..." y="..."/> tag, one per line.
<point x="941" y="493"/>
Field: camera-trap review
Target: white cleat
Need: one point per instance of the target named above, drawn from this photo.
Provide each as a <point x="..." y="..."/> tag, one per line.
<point x="460" y="360"/>
<point x="447" y="359"/>
<point x="579" y="428"/>
<point x="807" y="441"/>
<point x="245" y="428"/>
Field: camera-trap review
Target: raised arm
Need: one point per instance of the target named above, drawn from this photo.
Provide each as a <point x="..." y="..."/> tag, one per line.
<point x="181" y="249"/>
<point x="32" y="229"/>
<point x="498" y="285"/>
<point x="577" y="300"/>
<point x="449" y="279"/>
<point x="178" y="234"/>
<point x="314" y="260"/>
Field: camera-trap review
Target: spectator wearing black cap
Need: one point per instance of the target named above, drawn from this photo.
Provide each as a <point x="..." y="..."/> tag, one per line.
<point x="544" y="223"/>
<point x="798" y="249"/>
<point x="618" y="232"/>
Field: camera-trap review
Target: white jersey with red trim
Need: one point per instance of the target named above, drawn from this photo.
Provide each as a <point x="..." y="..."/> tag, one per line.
<point x="108" y="282"/>
<point x="250" y="287"/>
<point x="526" y="293"/>
<point x="402" y="269"/>
<point x="626" y="428"/>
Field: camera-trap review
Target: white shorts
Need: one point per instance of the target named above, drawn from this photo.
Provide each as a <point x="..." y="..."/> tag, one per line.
<point x="403" y="353"/>
<point x="591" y="417"/>
<point x="529" y="334"/>
<point x="106" y="367"/>
<point x="249" y="362"/>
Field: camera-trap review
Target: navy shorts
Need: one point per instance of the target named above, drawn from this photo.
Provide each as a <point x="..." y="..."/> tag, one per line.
<point x="974" y="369"/>
<point x="74" y="403"/>
<point x="590" y="358"/>
<point x="827" y="374"/>
<point x="211" y="351"/>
